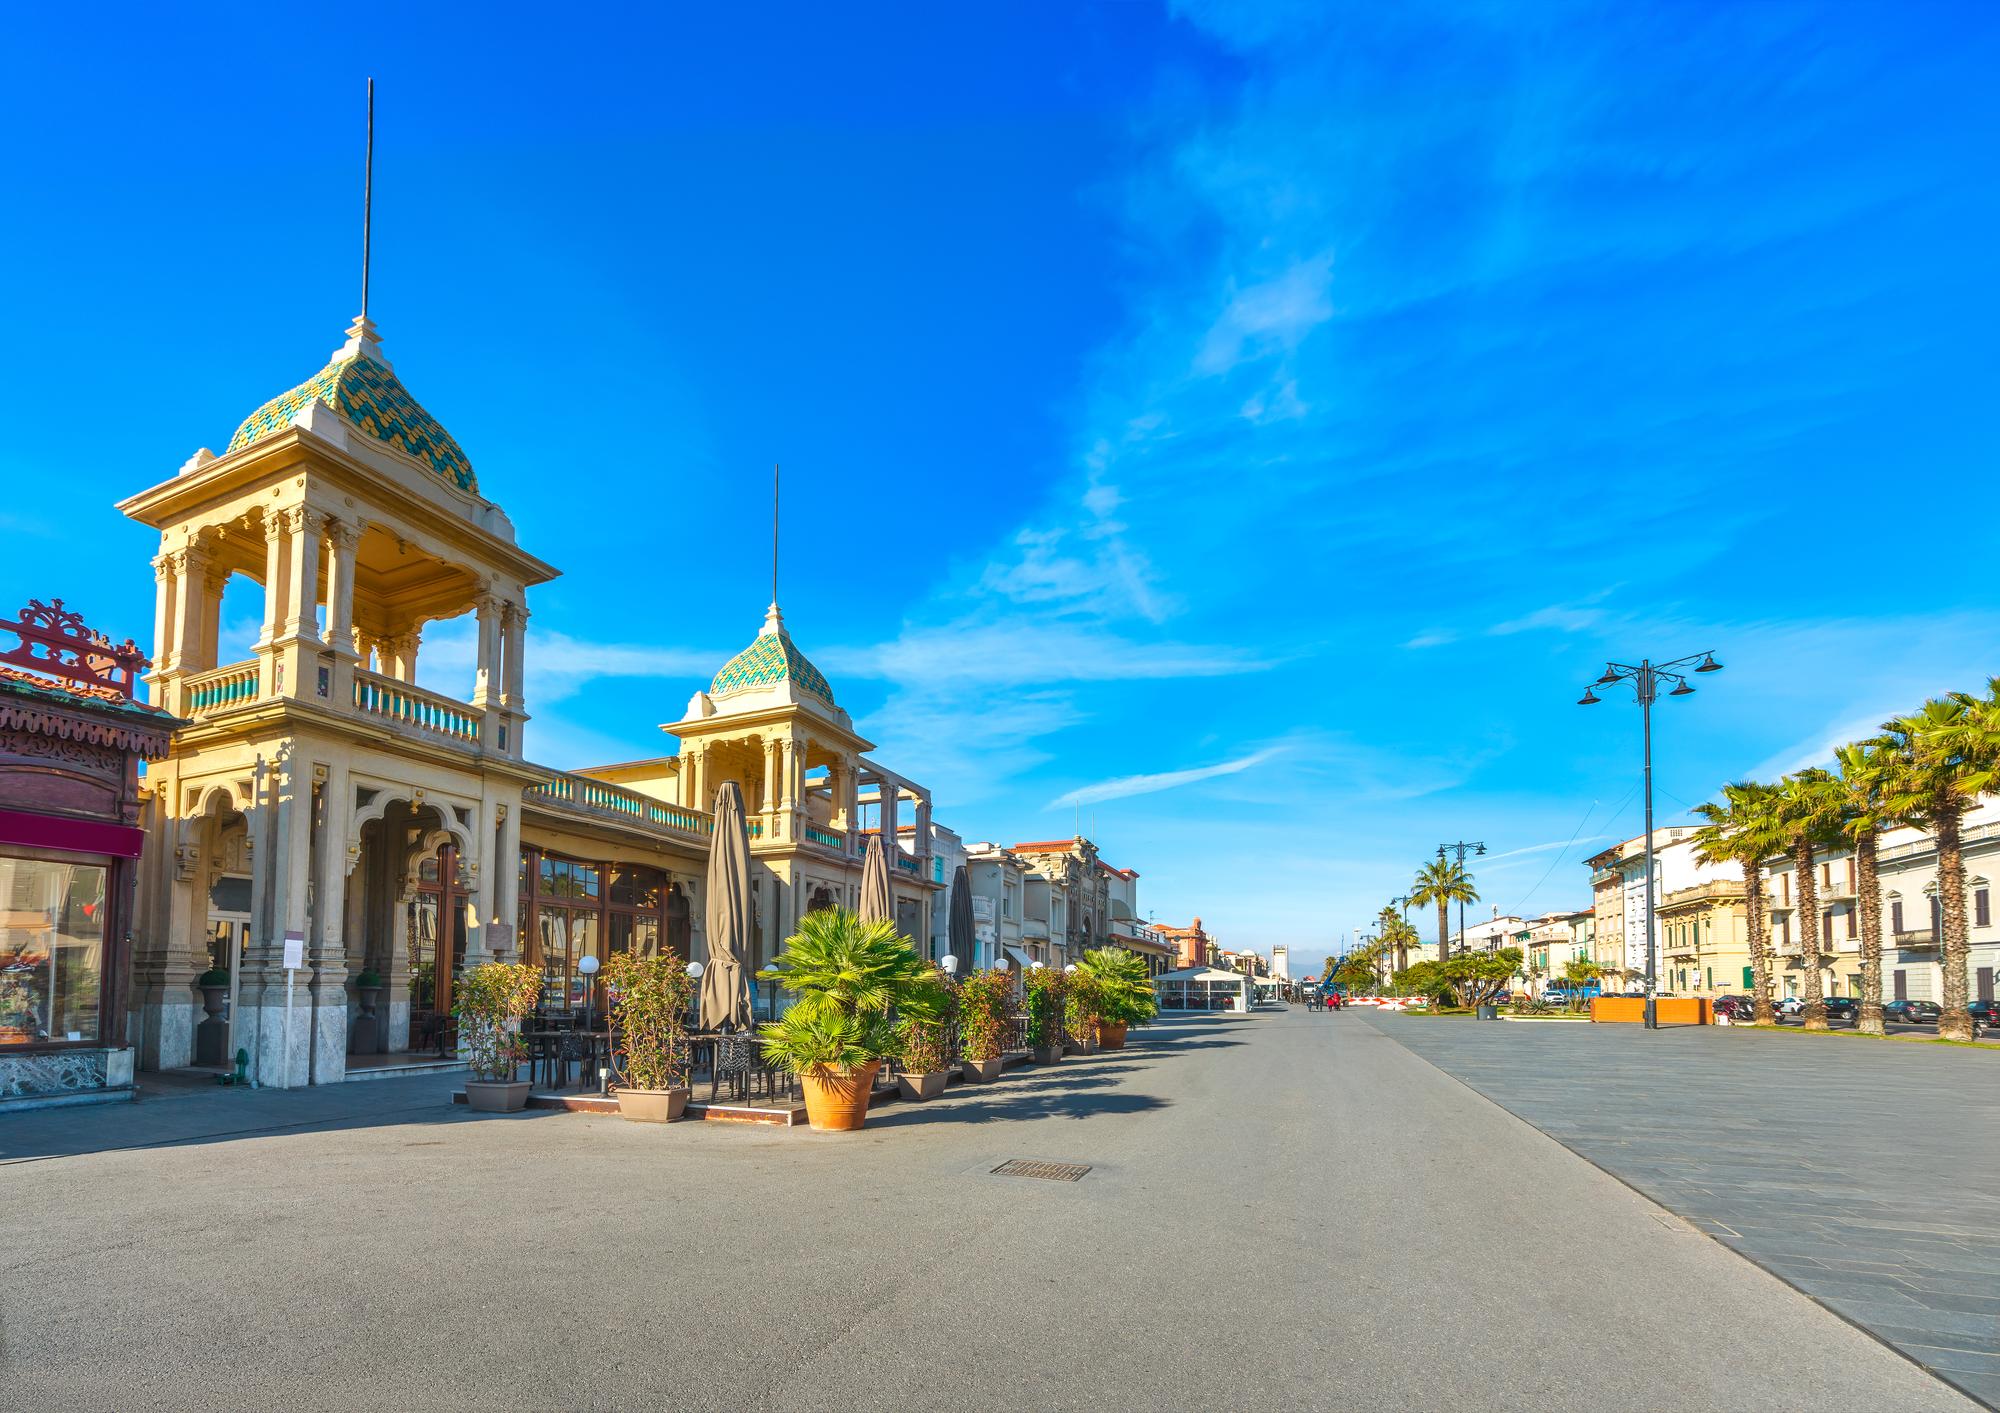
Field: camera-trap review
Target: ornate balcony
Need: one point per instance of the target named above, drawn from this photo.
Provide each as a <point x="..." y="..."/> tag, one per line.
<point x="581" y="795"/>
<point x="429" y="713"/>
<point x="826" y="838"/>
<point x="221" y="689"/>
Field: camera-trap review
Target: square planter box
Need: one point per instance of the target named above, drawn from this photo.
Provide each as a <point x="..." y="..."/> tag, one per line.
<point x="922" y="1086"/>
<point x="978" y="1071"/>
<point x="496" y="1096"/>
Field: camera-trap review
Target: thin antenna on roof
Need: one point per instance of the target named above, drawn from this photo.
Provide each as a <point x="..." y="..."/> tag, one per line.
<point x="367" y="198"/>
<point x="774" y="532"/>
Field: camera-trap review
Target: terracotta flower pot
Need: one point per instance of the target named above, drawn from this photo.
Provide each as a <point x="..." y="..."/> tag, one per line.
<point x="836" y="1102"/>
<point x="922" y="1086"/>
<point x="1110" y="1035"/>
<point x="979" y="1071"/>
<point x="496" y="1096"/>
<point x="652" y="1106"/>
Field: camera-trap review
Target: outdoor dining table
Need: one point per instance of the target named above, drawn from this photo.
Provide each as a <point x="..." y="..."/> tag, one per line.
<point x="552" y="1049"/>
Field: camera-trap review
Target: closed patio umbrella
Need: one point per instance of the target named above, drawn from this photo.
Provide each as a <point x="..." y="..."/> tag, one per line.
<point x="959" y="923"/>
<point x="725" y="990"/>
<point x="878" y="904"/>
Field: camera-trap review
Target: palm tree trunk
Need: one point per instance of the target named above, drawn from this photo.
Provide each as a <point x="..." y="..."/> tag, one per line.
<point x="1444" y="930"/>
<point x="1870" y="884"/>
<point x="1807" y="931"/>
<point x="1955" y="1023"/>
<point x="1759" y="923"/>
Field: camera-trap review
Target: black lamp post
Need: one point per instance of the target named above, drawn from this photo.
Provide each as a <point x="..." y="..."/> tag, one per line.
<point x="1461" y="849"/>
<point x="1646" y="678"/>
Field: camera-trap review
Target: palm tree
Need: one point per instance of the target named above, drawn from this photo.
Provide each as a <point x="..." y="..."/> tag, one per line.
<point x="1809" y="808"/>
<point x="1444" y="882"/>
<point x="1394" y="929"/>
<point x="1863" y="768"/>
<point x="1743" y="830"/>
<point x="1942" y="759"/>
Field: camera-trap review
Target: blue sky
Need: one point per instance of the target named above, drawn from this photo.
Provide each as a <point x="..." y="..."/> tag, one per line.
<point x="1241" y="429"/>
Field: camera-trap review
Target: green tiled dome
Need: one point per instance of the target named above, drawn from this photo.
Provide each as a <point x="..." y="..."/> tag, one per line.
<point x="366" y="392"/>
<point x="772" y="658"/>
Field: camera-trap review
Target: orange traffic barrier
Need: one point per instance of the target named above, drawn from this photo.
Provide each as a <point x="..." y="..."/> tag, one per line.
<point x="1670" y="1010"/>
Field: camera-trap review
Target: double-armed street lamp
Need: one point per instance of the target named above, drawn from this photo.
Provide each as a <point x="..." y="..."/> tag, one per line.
<point x="1646" y="677"/>
<point x="1460" y="849"/>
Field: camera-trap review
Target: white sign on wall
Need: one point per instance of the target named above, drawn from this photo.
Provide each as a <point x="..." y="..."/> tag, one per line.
<point x="295" y="950"/>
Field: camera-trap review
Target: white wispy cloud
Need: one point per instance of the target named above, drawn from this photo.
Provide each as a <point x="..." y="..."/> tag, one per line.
<point x="1127" y="786"/>
<point x="1030" y="651"/>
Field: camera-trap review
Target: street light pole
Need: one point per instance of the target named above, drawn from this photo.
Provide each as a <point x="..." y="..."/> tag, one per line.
<point x="1645" y="678"/>
<point x="1461" y="848"/>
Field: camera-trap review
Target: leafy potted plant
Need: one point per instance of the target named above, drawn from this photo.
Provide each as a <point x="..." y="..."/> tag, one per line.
<point x="985" y="1008"/>
<point x="1047" y="988"/>
<point x="923" y="1033"/>
<point x="491" y="999"/>
<point x="649" y="1007"/>
<point x="847" y="975"/>
<point x="1084" y="1008"/>
<point x="1123" y="994"/>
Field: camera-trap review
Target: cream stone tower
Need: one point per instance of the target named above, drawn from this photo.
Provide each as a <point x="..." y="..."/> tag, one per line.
<point x="321" y="789"/>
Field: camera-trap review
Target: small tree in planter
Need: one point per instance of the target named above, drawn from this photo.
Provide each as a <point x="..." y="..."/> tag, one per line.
<point x="923" y="1036"/>
<point x="1047" y="992"/>
<point x="490" y="1000"/>
<point x="649" y="1006"/>
<point x="985" y="1010"/>
<point x="1084" y="1007"/>
<point x="847" y="975"/>
<point x="1123" y="993"/>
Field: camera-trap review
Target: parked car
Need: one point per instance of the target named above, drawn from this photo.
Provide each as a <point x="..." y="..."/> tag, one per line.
<point x="1911" y="1012"/>
<point x="1739" y="1009"/>
<point x="1842" y="1008"/>
<point x="1982" y="1015"/>
<point x="1790" y="1005"/>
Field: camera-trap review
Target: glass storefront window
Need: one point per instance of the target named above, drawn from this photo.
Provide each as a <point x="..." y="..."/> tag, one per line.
<point x="51" y="950"/>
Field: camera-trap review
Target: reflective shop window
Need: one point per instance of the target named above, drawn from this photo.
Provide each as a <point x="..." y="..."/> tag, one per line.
<point x="51" y="950"/>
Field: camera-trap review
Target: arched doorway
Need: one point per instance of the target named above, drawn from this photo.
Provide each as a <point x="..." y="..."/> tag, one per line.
<point x="437" y="913"/>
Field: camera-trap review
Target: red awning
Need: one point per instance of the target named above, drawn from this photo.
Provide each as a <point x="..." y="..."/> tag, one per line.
<point x="73" y="836"/>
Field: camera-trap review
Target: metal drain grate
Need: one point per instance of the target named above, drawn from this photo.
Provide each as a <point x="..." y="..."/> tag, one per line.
<point x="1034" y="1168"/>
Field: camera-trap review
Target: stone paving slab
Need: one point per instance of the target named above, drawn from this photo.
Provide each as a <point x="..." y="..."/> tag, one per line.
<point x="1866" y="1175"/>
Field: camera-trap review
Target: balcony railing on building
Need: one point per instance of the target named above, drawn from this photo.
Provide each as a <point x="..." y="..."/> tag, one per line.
<point x="582" y="795"/>
<point x="431" y="715"/>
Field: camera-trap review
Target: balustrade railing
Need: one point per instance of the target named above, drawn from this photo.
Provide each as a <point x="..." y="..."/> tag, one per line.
<point x="908" y="864"/>
<point x="219" y="689"/>
<point x="400" y="702"/>
<point x="597" y="796"/>
<point x="830" y="838"/>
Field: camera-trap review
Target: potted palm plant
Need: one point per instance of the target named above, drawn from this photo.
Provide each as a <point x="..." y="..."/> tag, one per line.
<point x="1047" y="989"/>
<point x="985" y="1008"/>
<point x="847" y="975"/>
<point x="1123" y="994"/>
<point x="923" y="1033"/>
<point x="649" y="1006"/>
<point x="491" y="999"/>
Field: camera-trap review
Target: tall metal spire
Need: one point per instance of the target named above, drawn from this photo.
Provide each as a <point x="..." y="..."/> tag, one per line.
<point x="367" y="198"/>
<point x="774" y="534"/>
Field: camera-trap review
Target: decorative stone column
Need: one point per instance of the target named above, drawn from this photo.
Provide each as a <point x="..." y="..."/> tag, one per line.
<point x="343" y="539"/>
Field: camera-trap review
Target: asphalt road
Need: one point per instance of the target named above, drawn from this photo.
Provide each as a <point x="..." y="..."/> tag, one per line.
<point x="1286" y="1211"/>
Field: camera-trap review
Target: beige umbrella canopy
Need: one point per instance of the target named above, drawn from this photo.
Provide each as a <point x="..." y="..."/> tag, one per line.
<point x="878" y="904"/>
<point x="725" y="990"/>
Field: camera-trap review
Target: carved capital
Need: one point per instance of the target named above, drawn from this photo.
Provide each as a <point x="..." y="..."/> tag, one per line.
<point x="344" y="535"/>
<point x="302" y="520"/>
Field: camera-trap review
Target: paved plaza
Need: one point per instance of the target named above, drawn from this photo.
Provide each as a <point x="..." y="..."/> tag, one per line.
<point x="1865" y="1173"/>
<point x="1283" y="1211"/>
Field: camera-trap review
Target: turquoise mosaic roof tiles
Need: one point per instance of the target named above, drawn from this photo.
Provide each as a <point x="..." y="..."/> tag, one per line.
<point x="367" y="394"/>
<point x="771" y="659"/>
